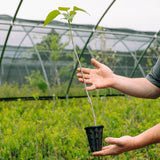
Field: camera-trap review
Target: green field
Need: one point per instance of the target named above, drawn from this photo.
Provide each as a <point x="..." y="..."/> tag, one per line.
<point x="55" y="130"/>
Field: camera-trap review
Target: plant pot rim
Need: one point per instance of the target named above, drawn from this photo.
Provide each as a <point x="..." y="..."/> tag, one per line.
<point x="99" y="126"/>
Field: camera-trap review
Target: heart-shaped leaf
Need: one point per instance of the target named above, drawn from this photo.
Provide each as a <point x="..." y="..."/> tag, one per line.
<point x="52" y="15"/>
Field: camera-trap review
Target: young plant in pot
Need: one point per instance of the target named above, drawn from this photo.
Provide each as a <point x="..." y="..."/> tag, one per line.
<point x="94" y="133"/>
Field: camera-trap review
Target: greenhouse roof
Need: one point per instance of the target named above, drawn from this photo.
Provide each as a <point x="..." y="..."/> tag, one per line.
<point x="139" y="15"/>
<point x="27" y="33"/>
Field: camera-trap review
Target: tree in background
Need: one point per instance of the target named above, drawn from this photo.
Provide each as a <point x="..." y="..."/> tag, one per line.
<point x="50" y="48"/>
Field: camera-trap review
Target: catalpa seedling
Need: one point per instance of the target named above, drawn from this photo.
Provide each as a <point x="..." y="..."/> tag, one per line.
<point x="69" y="15"/>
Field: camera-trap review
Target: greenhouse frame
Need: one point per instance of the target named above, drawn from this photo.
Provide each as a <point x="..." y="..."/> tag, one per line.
<point x="129" y="52"/>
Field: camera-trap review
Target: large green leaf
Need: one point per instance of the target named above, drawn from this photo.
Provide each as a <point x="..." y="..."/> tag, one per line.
<point x="52" y="15"/>
<point x="79" y="9"/>
<point x="63" y="8"/>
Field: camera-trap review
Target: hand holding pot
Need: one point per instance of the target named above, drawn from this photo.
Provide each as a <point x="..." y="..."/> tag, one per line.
<point x="119" y="145"/>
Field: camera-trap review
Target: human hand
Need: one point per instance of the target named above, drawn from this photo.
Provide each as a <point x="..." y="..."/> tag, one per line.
<point x="119" y="145"/>
<point x="102" y="77"/>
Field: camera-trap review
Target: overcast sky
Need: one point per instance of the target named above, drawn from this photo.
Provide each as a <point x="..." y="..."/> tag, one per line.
<point x="134" y="14"/>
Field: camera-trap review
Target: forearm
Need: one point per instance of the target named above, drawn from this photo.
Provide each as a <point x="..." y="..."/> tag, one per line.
<point x="148" y="137"/>
<point x="137" y="87"/>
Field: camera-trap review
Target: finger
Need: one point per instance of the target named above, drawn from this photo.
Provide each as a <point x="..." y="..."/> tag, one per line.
<point x="86" y="76"/>
<point x="90" y="88"/>
<point x="96" y="63"/>
<point x="87" y="81"/>
<point x="106" y="147"/>
<point x="111" y="140"/>
<point x="84" y="70"/>
<point x="103" y="152"/>
<point x="99" y="153"/>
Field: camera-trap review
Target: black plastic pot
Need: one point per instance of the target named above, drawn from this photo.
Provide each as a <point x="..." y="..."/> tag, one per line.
<point x="95" y="134"/>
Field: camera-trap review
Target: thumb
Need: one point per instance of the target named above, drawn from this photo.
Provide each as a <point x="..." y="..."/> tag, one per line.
<point x="96" y="63"/>
<point x="111" y="140"/>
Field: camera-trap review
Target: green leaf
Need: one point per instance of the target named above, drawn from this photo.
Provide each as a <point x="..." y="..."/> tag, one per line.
<point x="52" y="15"/>
<point x="79" y="9"/>
<point x="73" y="13"/>
<point x="63" y="8"/>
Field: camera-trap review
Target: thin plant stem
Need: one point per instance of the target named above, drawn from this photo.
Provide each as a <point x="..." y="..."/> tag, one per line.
<point x="76" y="54"/>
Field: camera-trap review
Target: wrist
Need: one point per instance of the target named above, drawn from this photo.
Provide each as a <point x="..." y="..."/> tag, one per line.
<point x="138" y="142"/>
<point x="115" y="81"/>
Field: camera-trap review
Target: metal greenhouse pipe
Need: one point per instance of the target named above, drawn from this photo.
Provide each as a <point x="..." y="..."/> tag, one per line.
<point x="41" y="62"/>
<point x="86" y="46"/>
<point x="9" y="31"/>
<point x="134" y="57"/>
<point x="140" y="59"/>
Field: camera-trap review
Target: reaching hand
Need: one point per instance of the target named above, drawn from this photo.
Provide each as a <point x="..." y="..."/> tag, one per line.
<point x="119" y="145"/>
<point x="102" y="77"/>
